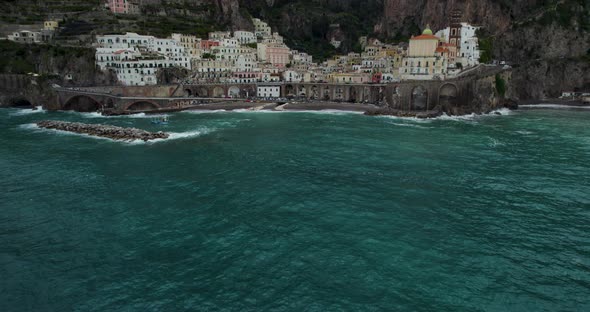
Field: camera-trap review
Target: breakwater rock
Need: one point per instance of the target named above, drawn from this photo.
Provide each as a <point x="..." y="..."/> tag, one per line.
<point x="105" y="131"/>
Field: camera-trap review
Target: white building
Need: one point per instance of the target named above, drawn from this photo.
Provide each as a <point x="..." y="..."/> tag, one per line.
<point x="301" y="57"/>
<point x="246" y="63"/>
<point x="229" y="42"/>
<point x="261" y="28"/>
<point x="469" y="52"/>
<point x="268" y="91"/>
<point x="292" y="76"/>
<point x="25" y="36"/>
<point x="245" y="37"/>
<point x="219" y="35"/>
<point x="136" y="59"/>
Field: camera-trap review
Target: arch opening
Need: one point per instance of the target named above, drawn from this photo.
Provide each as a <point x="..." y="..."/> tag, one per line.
<point x="326" y="95"/>
<point x="419" y="98"/>
<point x="289" y="90"/>
<point x="447" y="96"/>
<point x="352" y="96"/>
<point x="218" y="92"/>
<point x="82" y="103"/>
<point x="20" y="102"/>
<point x="188" y="92"/>
<point x="142" y="106"/>
<point x="233" y="92"/>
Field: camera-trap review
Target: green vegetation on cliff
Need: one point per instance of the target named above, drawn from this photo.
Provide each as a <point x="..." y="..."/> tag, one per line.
<point x="500" y="85"/>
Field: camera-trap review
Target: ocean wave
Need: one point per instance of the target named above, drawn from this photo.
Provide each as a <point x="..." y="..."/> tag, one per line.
<point x="138" y="116"/>
<point x="556" y="106"/>
<point x="28" y="111"/>
<point x="494" y="142"/>
<point x="173" y="136"/>
<point x="293" y="111"/>
<point x="410" y="125"/>
<point x="204" y="111"/>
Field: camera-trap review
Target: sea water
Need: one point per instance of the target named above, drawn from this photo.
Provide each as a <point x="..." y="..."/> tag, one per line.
<point x="255" y="211"/>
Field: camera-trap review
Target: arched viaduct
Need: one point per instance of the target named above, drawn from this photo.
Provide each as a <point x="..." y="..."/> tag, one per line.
<point x="444" y="95"/>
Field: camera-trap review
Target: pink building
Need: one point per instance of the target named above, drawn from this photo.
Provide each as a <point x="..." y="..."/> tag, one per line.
<point x="278" y="56"/>
<point x="208" y="44"/>
<point x="123" y="6"/>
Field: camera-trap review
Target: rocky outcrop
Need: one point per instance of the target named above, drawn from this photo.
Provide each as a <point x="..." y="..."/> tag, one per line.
<point x="105" y="131"/>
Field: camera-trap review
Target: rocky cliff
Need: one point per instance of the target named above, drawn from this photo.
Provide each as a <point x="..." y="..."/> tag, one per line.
<point x="38" y="67"/>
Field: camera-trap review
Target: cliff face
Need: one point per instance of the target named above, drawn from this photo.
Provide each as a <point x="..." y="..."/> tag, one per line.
<point x="548" y="41"/>
<point x="65" y="66"/>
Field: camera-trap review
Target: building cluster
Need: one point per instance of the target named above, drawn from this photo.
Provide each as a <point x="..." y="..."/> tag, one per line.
<point x="44" y="35"/>
<point x="261" y="56"/>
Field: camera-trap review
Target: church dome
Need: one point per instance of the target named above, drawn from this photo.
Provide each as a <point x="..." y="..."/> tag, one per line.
<point x="427" y="31"/>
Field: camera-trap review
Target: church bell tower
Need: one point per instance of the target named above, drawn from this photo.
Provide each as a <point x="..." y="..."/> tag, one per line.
<point x="455" y="29"/>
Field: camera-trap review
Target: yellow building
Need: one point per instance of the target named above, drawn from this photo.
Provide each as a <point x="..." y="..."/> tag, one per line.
<point x="425" y="60"/>
<point x="51" y="25"/>
<point x="349" y="78"/>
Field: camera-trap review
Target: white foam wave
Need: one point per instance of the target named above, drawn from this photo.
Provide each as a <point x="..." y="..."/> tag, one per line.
<point x="409" y="125"/>
<point x="204" y="111"/>
<point x="139" y="115"/>
<point x="471" y="117"/>
<point x="28" y="111"/>
<point x="494" y="142"/>
<point x="30" y="126"/>
<point x="294" y="111"/>
<point x="556" y="106"/>
<point x="173" y="136"/>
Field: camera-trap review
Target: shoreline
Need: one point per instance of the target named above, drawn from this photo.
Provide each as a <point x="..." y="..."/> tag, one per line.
<point x="293" y="106"/>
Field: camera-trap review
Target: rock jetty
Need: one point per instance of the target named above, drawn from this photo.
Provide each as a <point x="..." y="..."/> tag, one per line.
<point x="105" y="131"/>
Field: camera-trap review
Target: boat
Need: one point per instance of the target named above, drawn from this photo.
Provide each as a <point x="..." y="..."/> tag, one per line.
<point x="160" y="120"/>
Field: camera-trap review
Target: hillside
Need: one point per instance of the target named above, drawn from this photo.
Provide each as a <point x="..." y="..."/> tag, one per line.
<point x="547" y="40"/>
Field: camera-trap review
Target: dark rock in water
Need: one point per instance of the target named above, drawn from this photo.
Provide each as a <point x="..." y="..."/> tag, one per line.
<point x="497" y="113"/>
<point x="510" y="104"/>
<point x="105" y="131"/>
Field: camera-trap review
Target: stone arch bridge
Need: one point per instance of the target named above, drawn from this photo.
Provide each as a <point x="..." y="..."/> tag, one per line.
<point x="446" y="95"/>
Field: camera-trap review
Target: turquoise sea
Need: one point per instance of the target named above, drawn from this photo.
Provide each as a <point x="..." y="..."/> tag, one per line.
<point x="258" y="211"/>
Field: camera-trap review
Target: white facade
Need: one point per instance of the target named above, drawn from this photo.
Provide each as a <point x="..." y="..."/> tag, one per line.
<point x="246" y="63"/>
<point x="261" y="28"/>
<point x="231" y="42"/>
<point x="136" y="58"/>
<point x="25" y="36"/>
<point x="291" y="76"/>
<point x="268" y="91"/>
<point x="245" y="37"/>
<point x="219" y="35"/>
<point x="469" y="52"/>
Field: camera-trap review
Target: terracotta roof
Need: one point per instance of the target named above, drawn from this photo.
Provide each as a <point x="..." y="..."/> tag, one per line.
<point x="441" y="49"/>
<point x="425" y="37"/>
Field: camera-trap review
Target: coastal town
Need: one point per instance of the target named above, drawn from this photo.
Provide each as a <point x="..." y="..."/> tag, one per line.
<point x="261" y="56"/>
